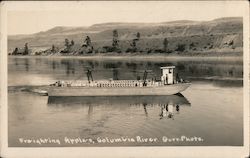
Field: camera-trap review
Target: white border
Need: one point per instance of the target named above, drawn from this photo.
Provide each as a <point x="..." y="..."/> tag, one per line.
<point x="205" y="151"/>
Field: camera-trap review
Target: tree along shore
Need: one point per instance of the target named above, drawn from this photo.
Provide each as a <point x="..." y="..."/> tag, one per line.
<point x="133" y="48"/>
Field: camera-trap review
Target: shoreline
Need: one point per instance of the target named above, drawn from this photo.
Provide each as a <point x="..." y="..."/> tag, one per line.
<point x="137" y="57"/>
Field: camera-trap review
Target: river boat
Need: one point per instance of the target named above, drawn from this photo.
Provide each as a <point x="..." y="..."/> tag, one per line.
<point x="168" y="85"/>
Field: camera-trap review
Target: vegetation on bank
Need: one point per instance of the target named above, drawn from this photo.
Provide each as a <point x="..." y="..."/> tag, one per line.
<point x="134" y="47"/>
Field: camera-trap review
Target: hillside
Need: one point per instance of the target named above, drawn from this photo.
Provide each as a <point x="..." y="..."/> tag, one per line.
<point x="215" y="35"/>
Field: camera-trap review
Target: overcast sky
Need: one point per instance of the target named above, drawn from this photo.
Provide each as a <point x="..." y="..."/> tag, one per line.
<point x="27" y="18"/>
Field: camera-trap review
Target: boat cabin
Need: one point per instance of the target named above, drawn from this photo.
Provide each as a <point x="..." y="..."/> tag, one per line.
<point x="167" y="74"/>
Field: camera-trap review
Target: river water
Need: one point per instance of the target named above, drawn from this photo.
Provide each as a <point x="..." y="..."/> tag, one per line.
<point x="209" y="112"/>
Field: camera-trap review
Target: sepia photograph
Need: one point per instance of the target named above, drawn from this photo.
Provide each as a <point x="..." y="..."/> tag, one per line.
<point x="127" y="74"/>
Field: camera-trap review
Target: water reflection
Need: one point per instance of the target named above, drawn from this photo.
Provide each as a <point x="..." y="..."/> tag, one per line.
<point x="168" y="106"/>
<point x="27" y="64"/>
<point x="61" y="68"/>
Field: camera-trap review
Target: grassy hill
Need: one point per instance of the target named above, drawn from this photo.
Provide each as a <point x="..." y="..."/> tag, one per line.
<point x="195" y="36"/>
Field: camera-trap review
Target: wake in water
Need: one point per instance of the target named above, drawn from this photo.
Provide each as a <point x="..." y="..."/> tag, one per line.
<point x="40" y="90"/>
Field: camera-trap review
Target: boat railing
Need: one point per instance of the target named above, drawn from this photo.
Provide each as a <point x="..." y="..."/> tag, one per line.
<point x="113" y="83"/>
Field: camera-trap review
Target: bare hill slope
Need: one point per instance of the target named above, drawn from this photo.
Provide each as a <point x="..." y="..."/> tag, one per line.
<point x="195" y="35"/>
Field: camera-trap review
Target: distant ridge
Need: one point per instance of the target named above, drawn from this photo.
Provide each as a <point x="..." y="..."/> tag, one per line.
<point x="117" y="24"/>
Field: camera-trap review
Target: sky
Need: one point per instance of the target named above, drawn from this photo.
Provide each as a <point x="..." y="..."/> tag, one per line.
<point x="30" y="17"/>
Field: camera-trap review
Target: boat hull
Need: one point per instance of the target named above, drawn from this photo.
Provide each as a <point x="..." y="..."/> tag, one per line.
<point x="118" y="91"/>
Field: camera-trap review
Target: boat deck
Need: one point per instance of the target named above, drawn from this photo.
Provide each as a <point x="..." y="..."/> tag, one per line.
<point x="109" y="83"/>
